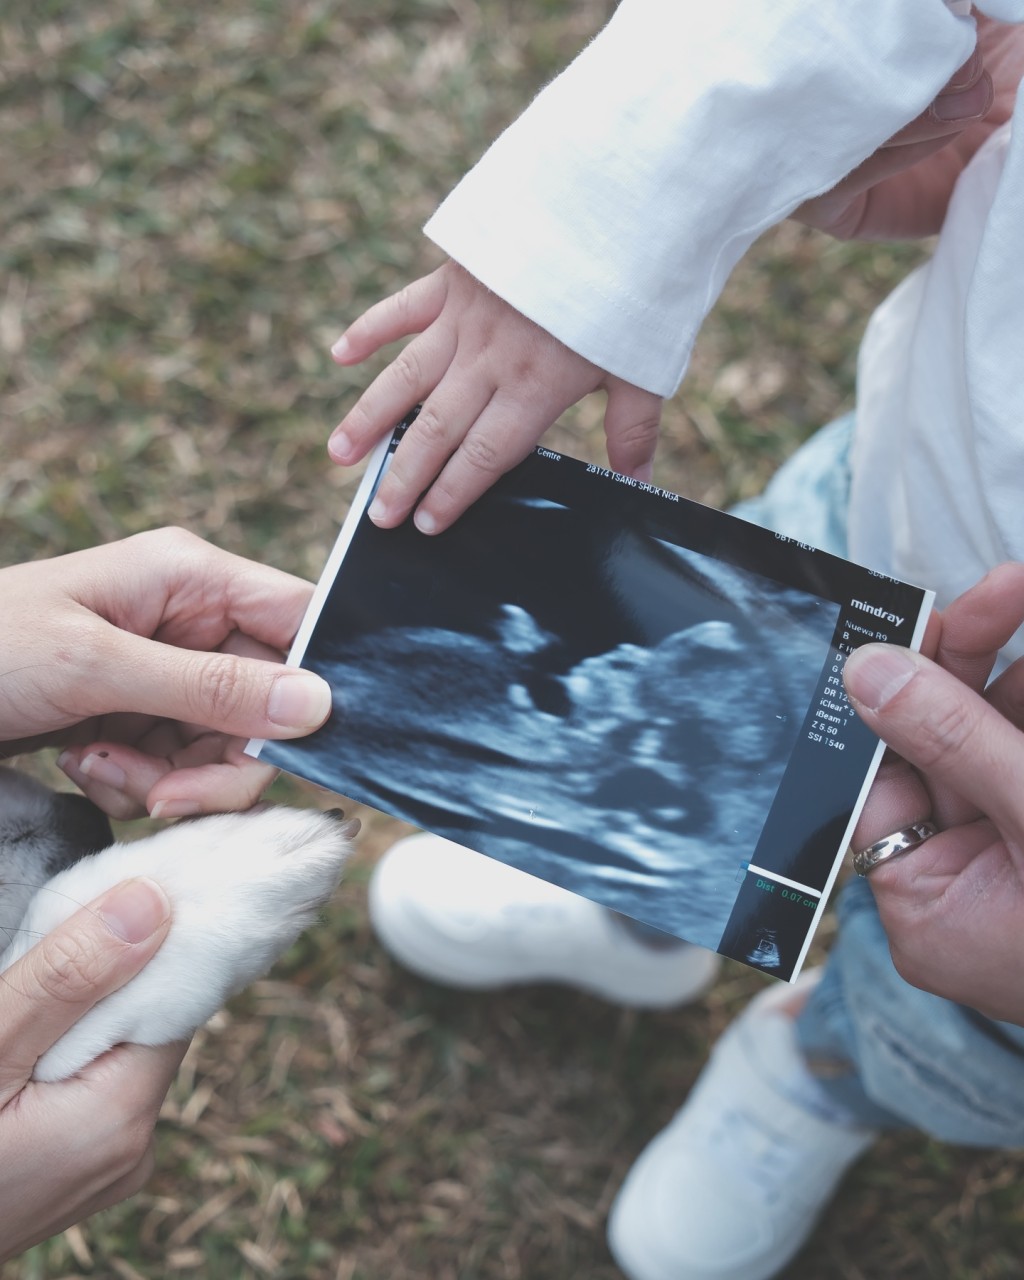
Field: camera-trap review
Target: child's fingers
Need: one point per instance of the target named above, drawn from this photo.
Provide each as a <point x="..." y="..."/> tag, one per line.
<point x="439" y="429"/>
<point x="408" y="311"/>
<point x="503" y="434"/>
<point x="408" y="380"/>
<point x="632" y="420"/>
<point x="413" y="373"/>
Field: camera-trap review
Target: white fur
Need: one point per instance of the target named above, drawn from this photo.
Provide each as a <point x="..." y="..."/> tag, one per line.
<point x="242" y="888"/>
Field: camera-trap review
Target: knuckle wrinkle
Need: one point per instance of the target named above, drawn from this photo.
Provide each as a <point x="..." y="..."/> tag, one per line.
<point x="946" y="732"/>
<point x="430" y="429"/>
<point x="69" y="968"/>
<point x="406" y="368"/>
<point x="481" y="455"/>
<point x="219" y="688"/>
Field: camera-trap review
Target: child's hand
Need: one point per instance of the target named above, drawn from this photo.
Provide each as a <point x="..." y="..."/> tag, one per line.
<point x="491" y="383"/>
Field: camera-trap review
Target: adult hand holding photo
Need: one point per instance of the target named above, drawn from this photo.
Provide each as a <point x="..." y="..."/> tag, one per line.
<point x="151" y="661"/>
<point x="952" y="907"/>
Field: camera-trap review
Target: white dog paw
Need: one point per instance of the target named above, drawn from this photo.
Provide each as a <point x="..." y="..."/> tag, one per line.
<point x="242" y="888"/>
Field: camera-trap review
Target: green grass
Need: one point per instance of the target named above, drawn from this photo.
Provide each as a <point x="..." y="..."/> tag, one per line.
<point x="194" y="200"/>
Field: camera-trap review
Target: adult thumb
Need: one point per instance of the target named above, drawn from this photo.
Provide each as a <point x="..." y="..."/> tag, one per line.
<point x="242" y="697"/>
<point x="85" y="957"/>
<point x="940" y="726"/>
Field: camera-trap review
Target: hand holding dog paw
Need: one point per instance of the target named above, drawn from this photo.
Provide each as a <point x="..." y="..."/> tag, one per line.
<point x="241" y="887"/>
<point x="150" y="661"/>
<point x="72" y="1148"/>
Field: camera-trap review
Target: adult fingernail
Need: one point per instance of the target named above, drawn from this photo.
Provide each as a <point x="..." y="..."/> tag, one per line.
<point x="67" y="763"/>
<point x="135" y="909"/>
<point x="968" y="73"/>
<point x="876" y="673"/>
<point x="377" y="511"/>
<point x="425" y="522"/>
<point x="175" y="809"/>
<point x="971" y="104"/>
<point x="341" y="348"/>
<point x="97" y="767"/>
<point x="299" y="701"/>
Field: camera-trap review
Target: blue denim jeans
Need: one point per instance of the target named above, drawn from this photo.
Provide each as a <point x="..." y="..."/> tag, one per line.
<point x="902" y="1058"/>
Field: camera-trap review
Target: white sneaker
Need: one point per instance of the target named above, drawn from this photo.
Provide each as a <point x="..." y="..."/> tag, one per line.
<point x="732" y="1188"/>
<point x="458" y="918"/>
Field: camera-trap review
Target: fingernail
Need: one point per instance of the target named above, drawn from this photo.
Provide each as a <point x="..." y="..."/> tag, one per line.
<point x="175" y="809"/>
<point x="135" y="909"/>
<point x="66" y="763"/>
<point x="377" y="511"/>
<point x="968" y="72"/>
<point x="98" y="768"/>
<point x="425" y="522"/>
<point x="876" y="673"/>
<point x="299" y="701"/>
<point x="341" y="348"/>
<point x="339" y="446"/>
<point x="971" y="104"/>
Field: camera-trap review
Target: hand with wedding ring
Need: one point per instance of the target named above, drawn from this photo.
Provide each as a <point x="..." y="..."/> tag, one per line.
<point x="952" y="902"/>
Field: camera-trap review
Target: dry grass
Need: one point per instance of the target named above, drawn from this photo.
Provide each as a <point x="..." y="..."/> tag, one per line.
<point x="194" y="198"/>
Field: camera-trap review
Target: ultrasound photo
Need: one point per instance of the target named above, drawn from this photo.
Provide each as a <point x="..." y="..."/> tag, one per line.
<point x="585" y="678"/>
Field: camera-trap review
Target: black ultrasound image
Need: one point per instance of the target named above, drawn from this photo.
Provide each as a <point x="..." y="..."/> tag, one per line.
<point x="578" y="697"/>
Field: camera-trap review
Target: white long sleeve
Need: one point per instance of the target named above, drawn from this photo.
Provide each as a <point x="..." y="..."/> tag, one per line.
<point x="612" y="211"/>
